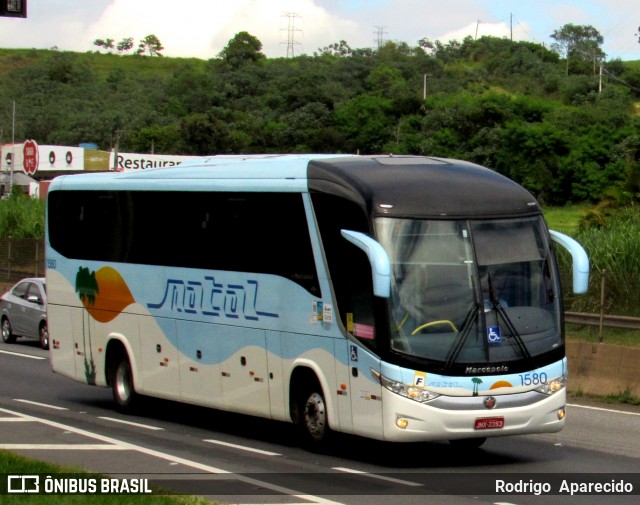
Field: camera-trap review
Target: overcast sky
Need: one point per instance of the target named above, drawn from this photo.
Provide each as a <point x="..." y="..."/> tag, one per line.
<point x="201" y="28"/>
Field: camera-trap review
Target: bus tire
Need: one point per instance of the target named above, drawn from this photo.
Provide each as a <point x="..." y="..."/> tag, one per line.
<point x="124" y="392"/>
<point x="312" y="416"/>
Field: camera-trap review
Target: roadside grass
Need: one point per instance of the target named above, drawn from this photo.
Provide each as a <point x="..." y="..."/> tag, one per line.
<point x="565" y="219"/>
<point x="625" y="397"/>
<point x="15" y="464"/>
<point x="612" y="336"/>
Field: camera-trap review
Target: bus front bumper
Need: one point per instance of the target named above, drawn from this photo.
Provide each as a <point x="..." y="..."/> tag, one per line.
<point x="452" y="418"/>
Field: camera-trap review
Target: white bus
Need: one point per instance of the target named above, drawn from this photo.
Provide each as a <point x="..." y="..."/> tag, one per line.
<point x="393" y="297"/>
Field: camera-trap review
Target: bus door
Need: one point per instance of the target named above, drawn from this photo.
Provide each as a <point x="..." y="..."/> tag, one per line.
<point x="159" y="358"/>
<point x="366" y="391"/>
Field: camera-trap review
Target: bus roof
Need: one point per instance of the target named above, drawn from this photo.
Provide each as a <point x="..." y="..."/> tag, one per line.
<point x="400" y="186"/>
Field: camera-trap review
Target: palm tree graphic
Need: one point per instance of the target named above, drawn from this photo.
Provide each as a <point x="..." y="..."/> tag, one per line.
<point x="87" y="289"/>
<point x="476" y="383"/>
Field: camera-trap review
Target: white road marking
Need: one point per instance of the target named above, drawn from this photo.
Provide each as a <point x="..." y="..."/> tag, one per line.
<point x="40" y="404"/>
<point x="604" y="410"/>
<point x="131" y="423"/>
<point x="242" y="447"/>
<point x="120" y="445"/>
<point x="22" y="355"/>
<point x="63" y="447"/>
<point x="380" y="477"/>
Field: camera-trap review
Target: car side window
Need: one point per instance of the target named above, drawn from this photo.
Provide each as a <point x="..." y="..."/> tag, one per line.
<point x="21" y="290"/>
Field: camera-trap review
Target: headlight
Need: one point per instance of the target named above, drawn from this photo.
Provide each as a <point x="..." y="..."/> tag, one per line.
<point x="408" y="391"/>
<point x="553" y="386"/>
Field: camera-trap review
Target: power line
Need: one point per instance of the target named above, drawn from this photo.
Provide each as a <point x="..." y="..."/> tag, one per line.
<point x="379" y="34"/>
<point x="291" y="32"/>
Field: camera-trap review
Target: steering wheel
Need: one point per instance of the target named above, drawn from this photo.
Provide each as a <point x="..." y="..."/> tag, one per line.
<point x="434" y="323"/>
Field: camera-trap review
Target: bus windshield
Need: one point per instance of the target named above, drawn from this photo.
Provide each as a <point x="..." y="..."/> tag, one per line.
<point x="471" y="292"/>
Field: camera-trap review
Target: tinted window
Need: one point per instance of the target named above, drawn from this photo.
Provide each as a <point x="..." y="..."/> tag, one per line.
<point x="246" y="232"/>
<point x="349" y="266"/>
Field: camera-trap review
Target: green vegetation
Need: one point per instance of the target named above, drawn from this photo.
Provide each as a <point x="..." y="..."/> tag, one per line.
<point x="21" y="217"/>
<point x="566" y="219"/>
<point x="536" y="115"/>
<point x="625" y="397"/>
<point x="516" y="107"/>
<point x="18" y="465"/>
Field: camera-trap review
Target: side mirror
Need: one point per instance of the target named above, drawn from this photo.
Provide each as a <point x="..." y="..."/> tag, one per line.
<point x="34" y="299"/>
<point x="378" y="259"/>
<point x="580" y="260"/>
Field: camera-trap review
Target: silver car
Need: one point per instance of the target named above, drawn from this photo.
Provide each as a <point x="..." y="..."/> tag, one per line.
<point x="23" y="311"/>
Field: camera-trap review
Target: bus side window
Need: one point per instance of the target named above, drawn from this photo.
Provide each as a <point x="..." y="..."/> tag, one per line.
<point x="349" y="268"/>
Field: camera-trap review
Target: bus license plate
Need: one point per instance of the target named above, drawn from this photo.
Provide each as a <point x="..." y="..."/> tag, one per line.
<point x="489" y="423"/>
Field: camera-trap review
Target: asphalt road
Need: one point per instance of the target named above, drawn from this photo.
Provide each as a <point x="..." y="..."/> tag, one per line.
<point x="241" y="459"/>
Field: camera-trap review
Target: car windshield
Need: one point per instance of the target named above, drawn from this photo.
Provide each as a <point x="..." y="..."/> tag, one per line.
<point x="471" y="292"/>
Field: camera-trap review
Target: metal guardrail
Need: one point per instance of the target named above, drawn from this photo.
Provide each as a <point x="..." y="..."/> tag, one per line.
<point x="629" y="323"/>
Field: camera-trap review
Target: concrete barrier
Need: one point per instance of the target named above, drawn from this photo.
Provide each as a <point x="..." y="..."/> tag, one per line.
<point x="603" y="369"/>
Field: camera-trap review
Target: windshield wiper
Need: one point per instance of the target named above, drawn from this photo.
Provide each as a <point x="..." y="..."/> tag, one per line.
<point x="497" y="306"/>
<point x="462" y="335"/>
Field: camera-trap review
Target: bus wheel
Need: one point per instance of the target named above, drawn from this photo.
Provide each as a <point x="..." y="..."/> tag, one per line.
<point x="313" y="418"/>
<point x="124" y="393"/>
<point x="468" y="444"/>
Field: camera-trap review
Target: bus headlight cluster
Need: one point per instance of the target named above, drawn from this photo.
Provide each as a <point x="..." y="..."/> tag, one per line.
<point x="408" y="391"/>
<point x="553" y="386"/>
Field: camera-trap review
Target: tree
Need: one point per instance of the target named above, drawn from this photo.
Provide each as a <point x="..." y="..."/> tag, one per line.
<point x="125" y="45"/>
<point x="578" y="42"/>
<point x="150" y="44"/>
<point x="107" y="44"/>
<point x="339" y="49"/>
<point x="242" y="48"/>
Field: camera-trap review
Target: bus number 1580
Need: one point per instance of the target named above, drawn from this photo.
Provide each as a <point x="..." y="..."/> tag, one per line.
<point x="533" y="379"/>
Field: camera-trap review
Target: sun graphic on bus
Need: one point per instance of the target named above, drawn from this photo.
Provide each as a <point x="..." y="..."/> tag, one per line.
<point x="104" y="293"/>
<point x="501" y="384"/>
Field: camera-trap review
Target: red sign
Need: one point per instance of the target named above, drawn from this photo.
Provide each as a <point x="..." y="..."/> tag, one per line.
<point x="31" y="158"/>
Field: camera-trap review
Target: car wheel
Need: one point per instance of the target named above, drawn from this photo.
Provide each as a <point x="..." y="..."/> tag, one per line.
<point x="124" y="393"/>
<point x="44" y="335"/>
<point x="7" y="335"/>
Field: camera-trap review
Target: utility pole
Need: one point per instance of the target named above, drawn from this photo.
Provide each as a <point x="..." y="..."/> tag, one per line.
<point x="117" y="134"/>
<point x="511" y="25"/>
<point x="600" y="83"/>
<point x="477" y="26"/>
<point x="291" y="31"/>
<point x="13" y="145"/>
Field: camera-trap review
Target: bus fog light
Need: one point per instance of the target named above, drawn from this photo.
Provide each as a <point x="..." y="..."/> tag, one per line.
<point x="561" y="414"/>
<point x="402" y="423"/>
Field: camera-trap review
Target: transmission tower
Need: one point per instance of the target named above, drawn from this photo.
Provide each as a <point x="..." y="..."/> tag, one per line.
<point x="379" y="34"/>
<point x="291" y="32"/>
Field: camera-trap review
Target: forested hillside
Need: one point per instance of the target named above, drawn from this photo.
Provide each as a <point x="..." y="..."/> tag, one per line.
<point x="561" y="130"/>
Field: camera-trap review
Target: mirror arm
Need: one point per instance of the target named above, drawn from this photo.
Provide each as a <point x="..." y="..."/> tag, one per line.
<point x="378" y="258"/>
<point x="580" y="261"/>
